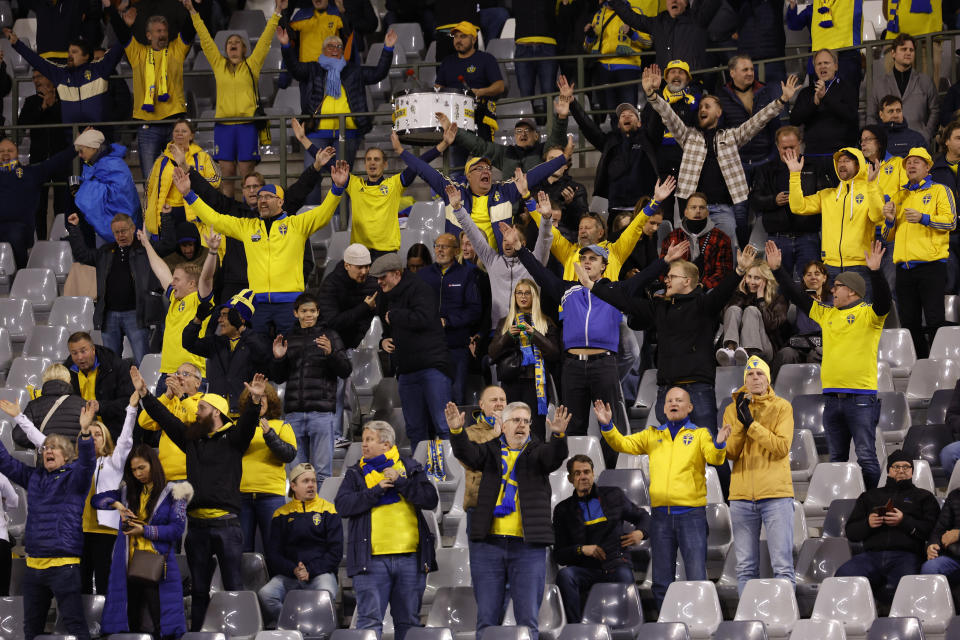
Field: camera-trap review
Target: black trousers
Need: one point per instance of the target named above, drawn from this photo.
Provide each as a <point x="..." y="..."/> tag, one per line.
<point x="583" y="382"/>
<point x="143" y="598"/>
<point x="95" y="562"/>
<point x="921" y="289"/>
<point x="6" y="564"/>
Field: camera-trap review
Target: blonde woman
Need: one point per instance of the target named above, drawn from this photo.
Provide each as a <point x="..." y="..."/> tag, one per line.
<point x="754" y="318"/>
<point x="525" y="346"/>
<point x="160" y="191"/>
<point x="236" y="144"/>
<point x="56" y="409"/>
<point x="99" y="527"/>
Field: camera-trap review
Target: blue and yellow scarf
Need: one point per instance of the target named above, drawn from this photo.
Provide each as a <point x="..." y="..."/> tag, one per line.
<point x="373" y="468"/>
<point x="155" y="79"/>
<point x="530" y="354"/>
<point x="507" y="502"/>
<point x="436" y="464"/>
<point x="916" y="6"/>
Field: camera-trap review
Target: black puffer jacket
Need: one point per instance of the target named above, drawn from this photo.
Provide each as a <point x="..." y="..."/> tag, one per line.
<point x="112" y="389"/>
<point x="414" y="326"/>
<point x="920" y="511"/>
<point x="227" y="370"/>
<point x="340" y="302"/>
<point x="311" y="375"/>
<point x="65" y="421"/>
<point x="949" y="519"/>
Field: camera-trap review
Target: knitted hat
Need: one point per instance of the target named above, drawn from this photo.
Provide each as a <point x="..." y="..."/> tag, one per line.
<point x="90" y="138"/>
<point x="275" y="189"/>
<point x="243" y="303"/>
<point x="357" y="255"/>
<point x="898" y="456"/>
<point x="756" y="363"/>
<point x="853" y="281"/>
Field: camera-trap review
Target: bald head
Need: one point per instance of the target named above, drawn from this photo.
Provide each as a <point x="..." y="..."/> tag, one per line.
<point x="492" y="401"/>
<point x="446" y="248"/>
<point x="677" y="405"/>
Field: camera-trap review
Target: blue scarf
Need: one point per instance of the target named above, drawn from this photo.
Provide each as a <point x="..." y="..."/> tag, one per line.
<point x="373" y="468"/>
<point x="591" y="510"/>
<point x="436" y="464"/>
<point x="530" y="354"/>
<point x="508" y="480"/>
<point x="333" y="67"/>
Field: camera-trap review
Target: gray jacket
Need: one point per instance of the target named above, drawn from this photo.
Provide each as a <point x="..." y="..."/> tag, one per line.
<point x="921" y="102"/>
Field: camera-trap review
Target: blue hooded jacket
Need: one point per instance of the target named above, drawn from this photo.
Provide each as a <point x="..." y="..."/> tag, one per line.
<point x="108" y="189"/>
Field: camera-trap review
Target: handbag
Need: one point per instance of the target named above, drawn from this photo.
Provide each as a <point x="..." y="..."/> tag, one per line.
<point x="263" y="126"/>
<point x="146" y="567"/>
<point x="509" y="366"/>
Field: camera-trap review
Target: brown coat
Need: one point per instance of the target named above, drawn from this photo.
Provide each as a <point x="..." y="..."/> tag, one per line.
<point x="479" y="432"/>
<point x="761" y="456"/>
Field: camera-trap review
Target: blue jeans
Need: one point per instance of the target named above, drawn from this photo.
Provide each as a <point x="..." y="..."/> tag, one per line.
<point x="882" y="568"/>
<point x="747" y="516"/>
<point x="668" y="532"/>
<point x="499" y="561"/>
<point x="610" y="98"/>
<point x="424" y="395"/>
<point x="538" y="76"/>
<point x="574" y="581"/>
<point x="459" y="362"/>
<point x="725" y="219"/>
<point x="704" y="399"/>
<point x="40" y="586"/>
<point x="491" y="22"/>
<point x="314" y="431"/>
<point x="833" y="272"/>
<point x="944" y="565"/>
<point x="272" y="594"/>
<point x="854" y="416"/>
<point x="949" y="456"/>
<point x="395" y="580"/>
<point x="256" y="512"/>
<point x="280" y="314"/>
<point x="797" y="251"/>
<point x="117" y="324"/>
<point x="151" y="141"/>
<point x="341" y="403"/>
<point x="202" y="544"/>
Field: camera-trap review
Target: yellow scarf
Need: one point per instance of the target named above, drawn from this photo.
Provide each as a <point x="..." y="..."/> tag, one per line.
<point x="155" y="79"/>
<point x="684" y="95"/>
<point x="373" y="469"/>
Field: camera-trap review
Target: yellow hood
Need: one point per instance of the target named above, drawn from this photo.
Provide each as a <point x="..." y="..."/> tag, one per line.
<point x="861" y="162"/>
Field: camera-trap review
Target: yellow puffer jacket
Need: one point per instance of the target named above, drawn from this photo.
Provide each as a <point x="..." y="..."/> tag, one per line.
<point x="761" y="454"/>
<point x="677" y="467"/>
<point x="160" y="190"/>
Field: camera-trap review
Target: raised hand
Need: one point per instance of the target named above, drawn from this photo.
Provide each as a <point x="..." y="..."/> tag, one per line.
<point x="582" y="276"/>
<point x="650" y="80"/>
<point x="455" y="417"/>
<point x="520" y="181"/>
<point x="181" y="181"/>
<point x="568" y="148"/>
<point x="774" y="257"/>
<point x="283" y="37"/>
<point x="561" y="418"/>
<point x="213" y="239"/>
<point x="746" y="257"/>
<point x="73" y="219"/>
<point x="297" y="127"/>
<point x="188" y="5"/>
<point x="174" y="389"/>
<point x="138" y="382"/>
<point x="390" y="39"/>
<point x="664" y="188"/>
<point x="450" y="133"/>
<point x="789" y="88"/>
<point x="327" y="154"/>
<point x="134" y="399"/>
<point x="12" y="409"/>
<point x="511" y="239"/>
<point x="543" y="204"/>
<point x="873" y="170"/>
<point x="794" y="163"/>
<point x="454" y="197"/>
<point x="723" y="434"/>
<point x="677" y="250"/>
<point x="561" y="106"/>
<point x="603" y="411"/>
<point x="340" y="173"/>
<point x="566" y="88"/>
<point x="88" y="414"/>
<point x="129" y="16"/>
<point x="143" y="237"/>
<point x="279" y="6"/>
<point x="279" y="346"/>
<point x="256" y="387"/>
<point x="875" y="255"/>
<point x="395" y="143"/>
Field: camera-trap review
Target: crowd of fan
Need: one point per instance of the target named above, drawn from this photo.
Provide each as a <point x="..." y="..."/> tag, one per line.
<point x="212" y="455"/>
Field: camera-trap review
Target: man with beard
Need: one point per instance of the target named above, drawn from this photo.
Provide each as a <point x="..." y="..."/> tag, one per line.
<point x="214" y="447"/>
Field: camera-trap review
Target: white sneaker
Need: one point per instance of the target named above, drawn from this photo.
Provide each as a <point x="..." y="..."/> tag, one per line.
<point x="725" y="357"/>
<point x="741" y="356"/>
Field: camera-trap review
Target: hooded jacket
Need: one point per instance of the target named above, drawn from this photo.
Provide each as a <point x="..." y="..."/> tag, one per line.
<point x="108" y="189"/>
<point x="64" y="421"/>
<point x="160" y="190"/>
<point x="774" y="177"/>
<point x="761" y="453"/>
<point x="927" y="240"/>
<point x="850" y="213"/>
<point x="228" y="368"/>
<point x="920" y="511"/>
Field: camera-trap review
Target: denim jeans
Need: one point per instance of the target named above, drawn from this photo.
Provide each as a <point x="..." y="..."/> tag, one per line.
<point x="151" y="141"/>
<point x="725" y="219"/>
<point x="949" y="456"/>
<point x="582" y="382"/>
<point x="574" y="581"/>
<point x="833" y="272"/>
<point x="854" y="416"/>
<point x="944" y="565"/>
<point x="953" y="264"/>
<point x="741" y="210"/>
<point x="492" y="20"/>
<point x="797" y="251"/>
<point x="341" y="404"/>
<point x="610" y="98"/>
<point x="459" y="363"/>
<point x="40" y="586"/>
<point x="424" y="395"/>
<point x="704" y="399"/>
<point x="395" y="580"/>
<point x="278" y="313"/>
<point x="256" y="512"/>
<point x="314" y="431"/>
<point x="272" y="594"/>
<point x="747" y="516"/>
<point x="684" y="531"/>
<point x="535" y="77"/>
<point x="499" y="561"/>
<point x="203" y="542"/>
<point x="117" y="324"/>
<point x="882" y="568"/>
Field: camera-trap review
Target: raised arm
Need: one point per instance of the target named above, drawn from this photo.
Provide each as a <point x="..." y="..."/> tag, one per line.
<point x="799" y="203"/>
<point x="157" y="265"/>
<point x="431" y="176"/>
<point x="790" y="290"/>
<point x="205" y="283"/>
<point x="478" y="239"/>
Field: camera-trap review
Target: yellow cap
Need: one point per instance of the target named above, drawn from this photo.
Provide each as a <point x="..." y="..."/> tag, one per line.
<point x="219" y="403"/>
<point x="475" y="160"/>
<point x="756" y="363"/>
<point x="920" y="152"/>
<point x="465" y="27"/>
<point x="677" y="64"/>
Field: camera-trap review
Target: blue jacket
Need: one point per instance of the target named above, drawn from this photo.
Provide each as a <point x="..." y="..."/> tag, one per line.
<point x="164" y="529"/>
<point x="459" y="296"/>
<point x="308" y="532"/>
<point x="354" y="501"/>
<point x="901" y="138"/>
<point x="57" y="498"/>
<point x="587" y="320"/>
<point x="762" y="145"/>
<point x="82" y="90"/>
<point x="108" y="189"/>
<point x="353" y="78"/>
<point x="20" y="185"/>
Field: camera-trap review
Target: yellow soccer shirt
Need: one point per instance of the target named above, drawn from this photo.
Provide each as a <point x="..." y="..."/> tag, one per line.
<point x="335" y="105"/>
<point x="262" y="471"/>
<point x="375" y="208"/>
<point x="511" y="524"/>
<point x="180" y="312"/>
<point x="314" y="29"/>
<point x="854" y="330"/>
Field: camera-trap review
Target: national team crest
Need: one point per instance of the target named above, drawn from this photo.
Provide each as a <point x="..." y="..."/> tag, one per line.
<point x="888" y="169"/>
<point x="927" y="198"/>
<point x="688" y="438"/>
<point x="859" y="198"/>
<point x="181" y="306"/>
<point x="384" y="189"/>
<point x="282" y="228"/>
<point x="850" y="318"/>
<point x="19" y="172"/>
<point x="316" y="519"/>
<point x="471" y="69"/>
<point x="87" y="75"/>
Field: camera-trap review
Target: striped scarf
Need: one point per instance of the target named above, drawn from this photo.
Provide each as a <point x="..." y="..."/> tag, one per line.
<point x="916" y="6"/>
<point x="155" y="79"/>
<point x="530" y="354"/>
<point x="373" y="468"/>
<point x="436" y="464"/>
<point x="507" y="500"/>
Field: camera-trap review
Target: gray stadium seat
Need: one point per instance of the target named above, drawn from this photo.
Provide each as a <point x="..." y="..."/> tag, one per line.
<point x="251" y="21"/>
<point x="897" y="350"/>
<point x="925" y="443"/>
<point x="771" y="601"/>
<point x="726" y="381"/>
<point x="16" y="316"/>
<point x="47" y="342"/>
<point x="808" y="414"/>
<point x="26" y="371"/>
<point x="454" y="608"/>
<point x="835" y="522"/>
<point x="254" y="569"/>
<point x="647" y="392"/>
<point x="54" y="255"/>
<point x="58" y="230"/>
<point x="6" y="350"/>
<point x="354" y="634"/>
<point x="552" y="618"/>
<point x="720" y="531"/>
<point x="11" y="617"/>
<point x="278" y="634"/>
<point x="819" y="629"/>
<point x="694" y="603"/>
<point x="429" y="633"/>
<point x="895" y="628"/>
<point x="73" y="312"/>
<point x="366" y="371"/>
<point x="37" y="285"/>
<point x="410" y="37"/>
<point x="928" y="376"/>
<point x="926" y="598"/>
<point x="150" y="369"/>
<point x="830" y="481"/>
<point x="946" y="343"/>
<point x="288" y="98"/>
<point x="428" y="216"/>
<point x="17" y="520"/>
<point x="741" y="630"/>
<point x="130" y="636"/>
<point x="453" y="570"/>
<point x="849" y="601"/>
<point x="798" y="379"/>
<point x="92" y="611"/>
<point x="664" y="631"/>
<point x="8" y="265"/>
<point x="632" y="481"/>
<point x="803" y="456"/>
<point x="507" y="632"/>
<point x="617" y="606"/>
<point x="819" y="559"/>
<point x="312" y="613"/>
<point x="939" y="402"/>
<point x="583" y="632"/>
<point x="894" y="417"/>
<point x="235" y="613"/>
<point x="328" y="490"/>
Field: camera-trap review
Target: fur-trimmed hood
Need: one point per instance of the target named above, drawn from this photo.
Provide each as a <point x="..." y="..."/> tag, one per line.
<point x="181" y="490"/>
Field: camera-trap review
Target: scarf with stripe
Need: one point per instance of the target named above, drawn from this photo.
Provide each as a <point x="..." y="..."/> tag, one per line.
<point x="155" y="79"/>
<point x="530" y="354"/>
<point x="591" y="510"/>
<point x="507" y="500"/>
<point x="916" y="6"/>
<point x="373" y="468"/>
<point x="436" y="464"/>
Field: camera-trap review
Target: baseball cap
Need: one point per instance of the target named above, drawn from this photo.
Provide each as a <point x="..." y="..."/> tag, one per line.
<point x="476" y="160"/>
<point x="853" y="281"/>
<point x="920" y="152"/>
<point x="385" y="264"/>
<point x="219" y="403"/>
<point x="623" y="106"/>
<point x="597" y="249"/>
<point x="275" y="189"/>
<point x="465" y="27"/>
<point x="676" y="64"/>
<point x="525" y="122"/>
<point x="357" y="255"/>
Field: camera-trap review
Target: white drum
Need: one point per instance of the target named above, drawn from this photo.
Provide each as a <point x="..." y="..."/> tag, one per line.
<point x="414" y="119"/>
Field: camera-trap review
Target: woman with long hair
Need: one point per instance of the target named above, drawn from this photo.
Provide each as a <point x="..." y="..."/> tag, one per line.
<point x="525" y="346"/>
<point x="154" y="515"/>
<point x="804" y="343"/>
<point x="753" y="319"/>
<point x="264" y="481"/>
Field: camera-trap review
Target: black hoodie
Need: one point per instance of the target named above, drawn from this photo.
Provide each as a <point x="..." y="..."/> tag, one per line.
<point x="920" y="510"/>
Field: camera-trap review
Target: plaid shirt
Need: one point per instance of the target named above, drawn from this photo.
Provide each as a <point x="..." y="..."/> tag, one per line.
<point x="715" y="259"/>
<point x="727" y="143"/>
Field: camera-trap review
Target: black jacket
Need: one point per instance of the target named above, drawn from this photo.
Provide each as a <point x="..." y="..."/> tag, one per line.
<point x="214" y="462"/>
<point x="414" y="326"/>
<point x="311" y="375"/>
<point x="458" y="296"/>
<point x="831" y="124"/>
<point x="64" y="421"/>
<point x="761" y="31"/>
<point x="680" y="38"/>
<point x="685" y="323"/>
<point x="536" y="18"/>
<point x="772" y="178"/>
<point x="573" y="211"/>
<point x="227" y="370"/>
<point x="920" y="510"/>
<point x="571" y="532"/>
<point x="949" y="519"/>
<point x="532" y="468"/>
<point x="735" y="113"/>
<point x="901" y="138"/>
<point x="548" y="343"/>
<point x="340" y="301"/>
<point x="942" y="173"/>
<point x="112" y="388"/>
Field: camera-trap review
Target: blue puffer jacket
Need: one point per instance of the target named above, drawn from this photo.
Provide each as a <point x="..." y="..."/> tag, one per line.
<point x="355" y="501"/>
<point x="107" y="190"/>
<point x="460" y="304"/>
<point x="55" y="518"/>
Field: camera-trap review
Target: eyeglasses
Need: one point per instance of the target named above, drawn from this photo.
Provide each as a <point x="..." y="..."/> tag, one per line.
<point x="49" y="447"/>
<point x="187" y="374"/>
<point x="479" y="167"/>
<point x="253" y="187"/>
<point x="906" y="466"/>
<point x="332" y="45"/>
<point x="520" y="421"/>
<point x="267" y="195"/>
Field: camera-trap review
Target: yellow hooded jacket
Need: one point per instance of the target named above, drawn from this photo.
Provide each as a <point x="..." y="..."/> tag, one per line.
<point x="927" y="240"/>
<point x="160" y="189"/>
<point x="677" y="467"/>
<point x="850" y="213"/>
<point x="760" y="454"/>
